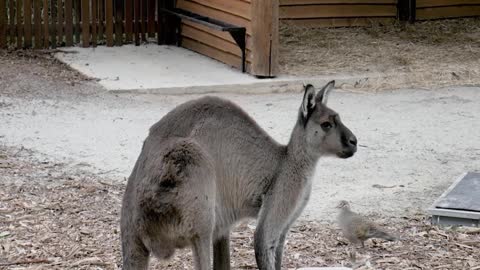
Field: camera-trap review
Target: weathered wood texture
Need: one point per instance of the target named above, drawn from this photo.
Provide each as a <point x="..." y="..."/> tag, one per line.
<point x="337" y="13"/>
<point x="438" y="9"/>
<point x="51" y="23"/>
<point x="261" y="24"/>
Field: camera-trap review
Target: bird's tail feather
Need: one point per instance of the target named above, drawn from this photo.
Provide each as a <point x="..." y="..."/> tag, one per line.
<point x="381" y="234"/>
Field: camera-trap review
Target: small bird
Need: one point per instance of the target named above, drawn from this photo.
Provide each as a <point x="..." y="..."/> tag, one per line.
<point x="358" y="229"/>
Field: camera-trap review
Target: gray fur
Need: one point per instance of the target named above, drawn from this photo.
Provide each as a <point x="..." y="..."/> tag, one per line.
<point x="207" y="164"/>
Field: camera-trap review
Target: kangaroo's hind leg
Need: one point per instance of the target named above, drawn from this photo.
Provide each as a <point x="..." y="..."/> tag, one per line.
<point x="202" y="252"/>
<point x="134" y="253"/>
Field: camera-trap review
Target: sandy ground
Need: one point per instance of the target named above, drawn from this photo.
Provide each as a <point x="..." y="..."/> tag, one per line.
<point x="53" y="216"/>
<point x="413" y="143"/>
<point x="66" y="146"/>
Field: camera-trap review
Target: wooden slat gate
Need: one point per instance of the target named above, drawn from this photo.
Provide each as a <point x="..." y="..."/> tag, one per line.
<point x="52" y="23"/>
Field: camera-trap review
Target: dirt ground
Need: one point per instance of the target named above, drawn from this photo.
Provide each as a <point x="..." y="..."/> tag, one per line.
<point x="56" y="218"/>
<point x="424" y="54"/>
<point x="64" y="215"/>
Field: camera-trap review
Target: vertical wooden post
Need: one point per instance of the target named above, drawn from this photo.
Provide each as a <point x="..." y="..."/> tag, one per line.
<point x="3" y="24"/>
<point x="118" y="22"/>
<point x="109" y="22"/>
<point x="143" y="16"/>
<point x="151" y="18"/>
<point x="11" y="11"/>
<point x="264" y="60"/>
<point x="46" y="22"/>
<point x="128" y="20"/>
<point x="94" y="22"/>
<point x="37" y="18"/>
<point x="101" y="19"/>
<point x="78" y="11"/>
<point x="406" y="10"/>
<point x="19" y="23"/>
<point x="160" y="22"/>
<point x="53" y="29"/>
<point x="86" y="23"/>
<point x="27" y="11"/>
<point x="136" y="25"/>
<point x="68" y="22"/>
<point x="60" y="20"/>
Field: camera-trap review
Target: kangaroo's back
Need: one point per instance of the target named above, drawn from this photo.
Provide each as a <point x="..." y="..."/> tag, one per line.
<point x="231" y="137"/>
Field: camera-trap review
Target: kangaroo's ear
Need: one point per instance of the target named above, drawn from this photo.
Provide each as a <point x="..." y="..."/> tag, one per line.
<point x="308" y="103"/>
<point x="322" y="95"/>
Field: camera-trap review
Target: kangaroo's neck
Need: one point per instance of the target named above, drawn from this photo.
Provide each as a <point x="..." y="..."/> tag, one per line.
<point x="299" y="158"/>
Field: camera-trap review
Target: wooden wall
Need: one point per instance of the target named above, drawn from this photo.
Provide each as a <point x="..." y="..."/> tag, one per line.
<point x="220" y="45"/>
<point x="337" y="12"/>
<point x="437" y="9"/>
<point x="216" y="44"/>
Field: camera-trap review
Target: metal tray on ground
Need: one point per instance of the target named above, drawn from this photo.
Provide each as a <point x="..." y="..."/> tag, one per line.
<point x="460" y="203"/>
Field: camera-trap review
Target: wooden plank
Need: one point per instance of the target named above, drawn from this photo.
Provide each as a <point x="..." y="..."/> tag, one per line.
<point x="76" y="6"/>
<point x="444" y="3"/>
<point x="37" y="19"/>
<point x="52" y="26"/>
<point x="129" y="20"/>
<point x="46" y="22"/>
<point x="85" y="23"/>
<point x="221" y="56"/>
<point x="94" y="15"/>
<point x="222" y="35"/>
<point x="12" y="31"/>
<point x="27" y="9"/>
<point x="3" y="24"/>
<point x="214" y="13"/>
<point x="143" y="15"/>
<point x="101" y="19"/>
<point x="68" y="22"/>
<point x="60" y="21"/>
<point x="448" y="12"/>
<point x="336" y="2"/>
<point x="160" y="24"/>
<point x="109" y="22"/>
<point x="151" y="18"/>
<point x="336" y="11"/>
<point x="233" y="7"/>
<point x="119" y="22"/>
<point x="211" y="40"/>
<point x="265" y="16"/>
<point x="340" y="22"/>
<point x="19" y="23"/>
<point x="136" y="27"/>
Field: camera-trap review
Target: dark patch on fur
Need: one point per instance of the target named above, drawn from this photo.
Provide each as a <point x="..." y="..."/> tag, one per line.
<point x="168" y="183"/>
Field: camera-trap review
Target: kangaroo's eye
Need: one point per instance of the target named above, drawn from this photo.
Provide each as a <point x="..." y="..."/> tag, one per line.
<point x="326" y="125"/>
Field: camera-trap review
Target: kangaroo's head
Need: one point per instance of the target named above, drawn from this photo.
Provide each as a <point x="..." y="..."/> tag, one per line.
<point x="324" y="132"/>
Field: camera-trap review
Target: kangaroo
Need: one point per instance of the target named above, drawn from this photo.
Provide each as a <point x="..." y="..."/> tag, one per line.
<point x="207" y="165"/>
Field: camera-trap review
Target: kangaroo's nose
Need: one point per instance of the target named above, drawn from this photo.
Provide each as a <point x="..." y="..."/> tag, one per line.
<point x="353" y="141"/>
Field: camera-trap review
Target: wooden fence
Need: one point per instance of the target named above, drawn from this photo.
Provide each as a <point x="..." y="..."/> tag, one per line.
<point x="52" y="23"/>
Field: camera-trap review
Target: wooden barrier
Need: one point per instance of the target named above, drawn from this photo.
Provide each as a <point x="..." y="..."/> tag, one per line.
<point x="259" y="17"/>
<point x="439" y="9"/>
<point x="335" y="13"/>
